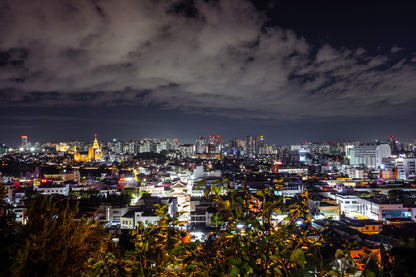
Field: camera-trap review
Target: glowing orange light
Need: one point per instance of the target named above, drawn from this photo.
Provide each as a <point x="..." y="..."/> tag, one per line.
<point x="187" y="238"/>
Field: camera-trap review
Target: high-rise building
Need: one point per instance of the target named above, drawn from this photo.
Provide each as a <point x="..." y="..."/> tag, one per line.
<point x="133" y="147"/>
<point x="208" y="147"/>
<point x="394" y="144"/>
<point x="260" y="147"/>
<point x="147" y="146"/>
<point x="24" y="142"/>
<point x="255" y="146"/>
<point x="250" y="147"/>
<point x="117" y="146"/>
<point x="163" y="145"/>
<point x="369" y="155"/>
<point x="201" y="145"/>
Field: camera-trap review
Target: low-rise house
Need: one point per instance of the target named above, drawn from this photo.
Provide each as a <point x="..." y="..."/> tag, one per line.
<point x="20" y="214"/>
<point x="64" y="176"/>
<point x="147" y="215"/>
<point x="159" y="190"/>
<point x="368" y="226"/>
<point x="348" y="204"/>
<point x="52" y="188"/>
<point x="362" y="256"/>
<point x="111" y="214"/>
<point x="202" y="211"/>
<point x="292" y="187"/>
<point x="329" y="210"/>
<point x="127" y="220"/>
<point x="322" y="207"/>
<point x="145" y="211"/>
<point x="11" y="189"/>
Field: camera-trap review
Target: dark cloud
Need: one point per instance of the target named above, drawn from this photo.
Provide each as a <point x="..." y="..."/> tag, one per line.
<point x="210" y="57"/>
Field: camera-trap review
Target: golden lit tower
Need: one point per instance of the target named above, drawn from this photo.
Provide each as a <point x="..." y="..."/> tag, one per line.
<point x="94" y="153"/>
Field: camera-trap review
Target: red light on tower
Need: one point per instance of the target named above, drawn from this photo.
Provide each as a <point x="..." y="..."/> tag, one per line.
<point x="24" y="141"/>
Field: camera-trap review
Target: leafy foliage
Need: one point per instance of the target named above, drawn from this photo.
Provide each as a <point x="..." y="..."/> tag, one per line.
<point x="158" y="250"/>
<point x="251" y="240"/>
<point x="9" y="237"/>
<point x="256" y="243"/>
<point x="53" y="242"/>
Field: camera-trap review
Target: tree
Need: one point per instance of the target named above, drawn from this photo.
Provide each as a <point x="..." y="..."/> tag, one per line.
<point x="159" y="250"/>
<point x="9" y="237"/>
<point x="54" y="241"/>
<point x="258" y="244"/>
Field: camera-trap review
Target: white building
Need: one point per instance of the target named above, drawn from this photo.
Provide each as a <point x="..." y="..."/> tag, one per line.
<point x="145" y="211"/>
<point x="19" y="212"/>
<point x="202" y="211"/>
<point x="348" y="150"/>
<point x="199" y="173"/>
<point x="348" y="205"/>
<point x="180" y="190"/>
<point x="292" y="189"/>
<point x="406" y="168"/>
<point x="158" y="190"/>
<point x="383" y="208"/>
<point x="53" y="189"/>
<point x="369" y="155"/>
<point x="356" y="173"/>
<point x="111" y="214"/>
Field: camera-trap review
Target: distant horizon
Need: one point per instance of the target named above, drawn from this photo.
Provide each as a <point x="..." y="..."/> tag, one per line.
<point x="181" y="142"/>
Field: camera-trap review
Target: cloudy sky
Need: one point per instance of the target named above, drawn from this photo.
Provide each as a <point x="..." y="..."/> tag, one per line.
<point x="289" y="70"/>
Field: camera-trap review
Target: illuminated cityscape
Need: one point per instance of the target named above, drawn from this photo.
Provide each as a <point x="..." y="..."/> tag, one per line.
<point x="356" y="189"/>
<point x="207" y="138"/>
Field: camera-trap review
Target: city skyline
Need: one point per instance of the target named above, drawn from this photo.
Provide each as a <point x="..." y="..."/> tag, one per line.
<point x="289" y="70"/>
<point x="28" y="143"/>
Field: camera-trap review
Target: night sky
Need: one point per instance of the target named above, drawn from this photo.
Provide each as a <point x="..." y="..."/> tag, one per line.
<point x="288" y="70"/>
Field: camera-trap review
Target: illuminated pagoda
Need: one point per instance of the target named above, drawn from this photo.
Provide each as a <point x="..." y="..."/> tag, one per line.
<point x="94" y="153"/>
